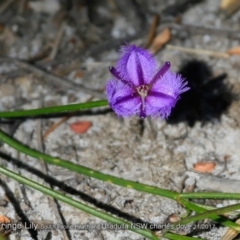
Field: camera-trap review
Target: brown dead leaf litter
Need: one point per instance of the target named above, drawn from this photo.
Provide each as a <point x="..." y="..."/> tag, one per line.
<point x="59" y="41"/>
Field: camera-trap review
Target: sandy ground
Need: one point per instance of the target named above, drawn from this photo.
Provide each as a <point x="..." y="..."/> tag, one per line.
<point x="204" y="126"/>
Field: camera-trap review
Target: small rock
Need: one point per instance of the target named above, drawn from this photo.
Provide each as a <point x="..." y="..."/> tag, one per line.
<point x="47" y="6"/>
<point x="7" y="90"/>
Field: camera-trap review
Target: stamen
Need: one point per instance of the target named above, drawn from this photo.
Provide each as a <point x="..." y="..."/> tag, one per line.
<point x="165" y="67"/>
<point x="116" y="74"/>
<point x="142" y="90"/>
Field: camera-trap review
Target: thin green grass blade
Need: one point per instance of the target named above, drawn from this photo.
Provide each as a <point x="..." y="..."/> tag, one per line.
<point x="173" y="236"/>
<point x="84" y="170"/>
<point x="53" y="110"/>
<point x="77" y="204"/>
<point x="211" y="214"/>
<point x="208" y="195"/>
<point x="108" y="178"/>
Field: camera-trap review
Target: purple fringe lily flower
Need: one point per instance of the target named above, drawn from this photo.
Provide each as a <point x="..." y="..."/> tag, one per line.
<point x="138" y="89"/>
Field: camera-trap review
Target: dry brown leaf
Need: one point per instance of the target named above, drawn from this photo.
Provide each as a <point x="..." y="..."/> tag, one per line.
<point x="162" y="38"/>
<point x="80" y="127"/>
<point x="78" y="74"/>
<point x="5" y="221"/>
<point x="234" y="51"/>
<point x="204" y="167"/>
<point x="230" y="6"/>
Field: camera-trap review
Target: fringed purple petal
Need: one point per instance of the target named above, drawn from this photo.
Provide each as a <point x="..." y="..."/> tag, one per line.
<point x="136" y="65"/>
<point x="116" y="74"/>
<point x="170" y="84"/>
<point x="122" y="99"/>
<point x="159" y="104"/>
<point x="138" y="89"/>
<point x="163" y="69"/>
<point x="164" y="94"/>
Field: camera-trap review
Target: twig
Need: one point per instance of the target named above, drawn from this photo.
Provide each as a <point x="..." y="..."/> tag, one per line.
<point x="198" y="51"/>
<point x="152" y="31"/>
<point x="42" y="53"/>
<point x="54" y="203"/>
<point x="53" y="78"/>
<point x="95" y="50"/>
<point x="22" y="4"/>
<point x="57" y="41"/>
<point x="5" y="5"/>
<point x="230" y="233"/>
<point x="64" y="119"/>
<point x="55" y="125"/>
<point x="195" y="28"/>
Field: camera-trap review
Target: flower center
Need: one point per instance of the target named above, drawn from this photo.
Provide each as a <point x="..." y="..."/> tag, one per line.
<point x="142" y="90"/>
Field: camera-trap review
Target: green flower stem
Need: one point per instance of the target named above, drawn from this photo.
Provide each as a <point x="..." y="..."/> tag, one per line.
<point x="55" y="194"/>
<point x="209" y="195"/>
<point x="107" y="178"/>
<point x="51" y="110"/>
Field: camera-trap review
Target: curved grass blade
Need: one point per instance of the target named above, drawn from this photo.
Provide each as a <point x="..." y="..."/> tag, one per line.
<point x="173" y="236"/>
<point x="111" y="179"/>
<point x="84" y="170"/>
<point x="207" y="214"/>
<point x="212" y="214"/>
<point x="208" y="195"/>
<point x="77" y="204"/>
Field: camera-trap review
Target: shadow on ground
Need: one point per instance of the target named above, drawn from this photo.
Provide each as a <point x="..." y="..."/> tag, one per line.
<point x="207" y="99"/>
